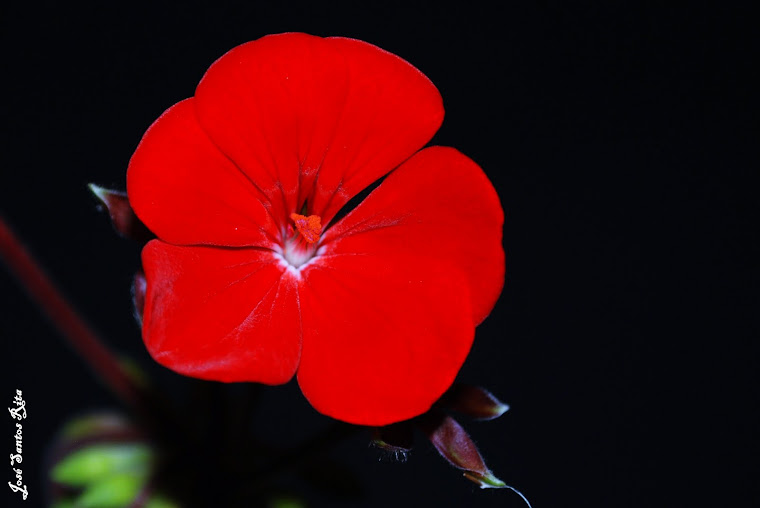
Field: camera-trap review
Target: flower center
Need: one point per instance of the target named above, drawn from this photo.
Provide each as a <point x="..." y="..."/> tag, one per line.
<point x="301" y="245"/>
<point x="310" y="227"/>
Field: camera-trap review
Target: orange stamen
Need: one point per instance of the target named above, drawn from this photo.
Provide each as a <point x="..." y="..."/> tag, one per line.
<point x="310" y="227"/>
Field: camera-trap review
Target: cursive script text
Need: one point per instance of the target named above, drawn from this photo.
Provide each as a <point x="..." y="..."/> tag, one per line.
<point x="18" y="413"/>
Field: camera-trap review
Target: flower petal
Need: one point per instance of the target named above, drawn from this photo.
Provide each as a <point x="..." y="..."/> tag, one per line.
<point x="187" y="192"/>
<point x="384" y="336"/>
<point x="221" y="314"/>
<point x="305" y="116"/>
<point x="439" y="204"/>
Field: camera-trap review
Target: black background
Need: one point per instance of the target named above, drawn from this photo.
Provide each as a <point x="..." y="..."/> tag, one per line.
<point x="619" y="139"/>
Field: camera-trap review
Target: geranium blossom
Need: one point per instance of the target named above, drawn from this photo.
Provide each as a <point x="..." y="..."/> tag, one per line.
<point x="252" y="278"/>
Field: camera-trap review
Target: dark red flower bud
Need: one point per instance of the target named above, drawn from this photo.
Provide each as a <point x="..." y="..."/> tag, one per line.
<point x="139" y="285"/>
<point x="473" y="401"/>
<point x="123" y="218"/>
<point x="456" y="446"/>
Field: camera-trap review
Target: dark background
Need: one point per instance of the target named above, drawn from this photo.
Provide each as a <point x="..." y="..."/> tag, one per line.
<point x="619" y="139"/>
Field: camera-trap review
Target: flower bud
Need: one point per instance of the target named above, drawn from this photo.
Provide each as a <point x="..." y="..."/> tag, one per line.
<point x="123" y="218"/>
<point x="456" y="446"/>
<point x="98" y="461"/>
<point x="116" y="490"/>
<point x="139" y="286"/>
<point x="473" y="401"/>
<point x="103" y="461"/>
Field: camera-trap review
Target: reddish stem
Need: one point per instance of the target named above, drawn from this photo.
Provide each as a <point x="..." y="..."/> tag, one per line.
<point x="66" y="319"/>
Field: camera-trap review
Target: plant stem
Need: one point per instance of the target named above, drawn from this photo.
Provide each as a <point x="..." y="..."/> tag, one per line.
<point x="71" y="325"/>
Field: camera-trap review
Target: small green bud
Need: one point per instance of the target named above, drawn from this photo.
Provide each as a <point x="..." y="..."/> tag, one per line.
<point x="93" y="463"/>
<point x="116" y="491"/>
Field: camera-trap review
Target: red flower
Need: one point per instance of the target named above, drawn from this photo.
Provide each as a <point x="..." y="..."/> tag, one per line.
<point x="252" y="279"/>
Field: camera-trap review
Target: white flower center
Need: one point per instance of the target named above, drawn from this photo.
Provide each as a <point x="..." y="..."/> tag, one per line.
<point x="295" y="255"/>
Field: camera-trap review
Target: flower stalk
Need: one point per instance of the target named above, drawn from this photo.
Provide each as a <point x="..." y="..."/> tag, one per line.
<point x="65" y="318"/>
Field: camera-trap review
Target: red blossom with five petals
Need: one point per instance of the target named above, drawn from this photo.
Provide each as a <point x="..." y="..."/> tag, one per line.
<point x="252" y="278"/>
